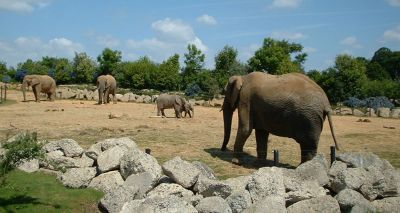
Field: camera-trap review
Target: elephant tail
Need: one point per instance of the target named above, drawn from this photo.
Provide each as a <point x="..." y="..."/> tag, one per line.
<point x="328" y="113"/>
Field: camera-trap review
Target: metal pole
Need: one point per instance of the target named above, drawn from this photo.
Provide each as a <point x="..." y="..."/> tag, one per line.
<point x="148" y="151"/>
<point x="333" y="154"/>
<point x="5" y="92"/>
<point x="1" y="92"/>
<point x="276" y="157"/>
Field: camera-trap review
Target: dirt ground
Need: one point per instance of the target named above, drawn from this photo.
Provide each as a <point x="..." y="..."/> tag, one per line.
<point x="198" y="138"/>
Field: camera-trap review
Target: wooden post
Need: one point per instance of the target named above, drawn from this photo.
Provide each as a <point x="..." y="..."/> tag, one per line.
<point x="5" y="92"/>
<point x="1" y="92"/>
<point x="333" y="154"/>
<point x="276" y="157"/>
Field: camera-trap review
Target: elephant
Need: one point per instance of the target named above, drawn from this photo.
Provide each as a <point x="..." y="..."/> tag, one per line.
<point x="106" y="84"/>
<point x="179" y="104"/>
<point x="40" y="84"/>
<point x="288" y="105"/>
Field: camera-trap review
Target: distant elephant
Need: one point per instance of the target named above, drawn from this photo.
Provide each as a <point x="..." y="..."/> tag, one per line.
<point x="179" y="104"/>
<point x="40" y="84"/>
<point x="106" y="84"/>
<point x="289" y="105"/>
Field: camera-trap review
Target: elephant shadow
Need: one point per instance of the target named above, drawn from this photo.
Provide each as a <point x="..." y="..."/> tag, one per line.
<point x="246" y="160"/>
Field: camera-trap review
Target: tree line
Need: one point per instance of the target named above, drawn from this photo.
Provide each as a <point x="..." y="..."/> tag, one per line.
<point x="349" y="77"/>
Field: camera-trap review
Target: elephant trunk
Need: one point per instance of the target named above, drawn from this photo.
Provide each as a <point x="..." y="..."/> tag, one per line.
<point x="24" y="86"/>
<point x="192" y="113"/>
<point x="228" y="113"/>
<point x="101" y="93"/>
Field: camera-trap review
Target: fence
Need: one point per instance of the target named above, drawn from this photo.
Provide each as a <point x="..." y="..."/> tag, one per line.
<point x="3" y="93"/>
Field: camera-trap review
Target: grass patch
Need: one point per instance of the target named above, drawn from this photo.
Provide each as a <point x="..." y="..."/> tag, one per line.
<point x="39" y="192"/>
<point x="392" y="157"/>
<point x="7" y="103"/>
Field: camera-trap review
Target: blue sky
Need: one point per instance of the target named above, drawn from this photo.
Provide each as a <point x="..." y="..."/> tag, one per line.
<point x="159" y="29"/>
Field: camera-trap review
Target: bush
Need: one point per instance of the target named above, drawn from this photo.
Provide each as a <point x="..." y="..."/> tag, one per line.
<point x="354" y="102"/>
<point x="376" y="102"/>
<point x="25" y="147"/>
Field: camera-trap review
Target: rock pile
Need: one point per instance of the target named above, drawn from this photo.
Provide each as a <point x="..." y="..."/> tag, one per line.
<point x="133" y="181"/>
<point x="380" y="112"/>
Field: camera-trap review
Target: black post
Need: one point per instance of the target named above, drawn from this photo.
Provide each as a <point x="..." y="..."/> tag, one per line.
<point x="5" y="92"/>
<point x="333" y="154"/>
<point x="1" y="93"/>
<point x="148" y="151"/>
<point x="276" y="157"/>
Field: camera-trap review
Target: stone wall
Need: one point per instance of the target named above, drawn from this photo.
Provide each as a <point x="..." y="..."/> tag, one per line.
<point x="133" y="181"/>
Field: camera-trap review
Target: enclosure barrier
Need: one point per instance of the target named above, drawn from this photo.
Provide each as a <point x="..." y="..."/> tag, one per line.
<point x="3" y="93"/>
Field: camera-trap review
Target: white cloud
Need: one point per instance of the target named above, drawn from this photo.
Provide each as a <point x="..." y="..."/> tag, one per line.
<point x="287" y="35"/>
<point x="395" y="3"/>
<point x="23" y="5"/>
<point x="285" y="3"/>
<point x="351" y="41"/>
<point x="107" y="41"/>
<point x="392" y="34"/>
<point x="171" y="36"/>
<point x="173" y="30"/>
<point x="207" y="19"/>
<point x="309" y="50"/>
<point x="24" y="48"/>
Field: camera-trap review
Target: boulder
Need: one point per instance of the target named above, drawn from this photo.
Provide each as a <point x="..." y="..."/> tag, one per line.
<point x="147" y="99"/>
<point x="78" y="177"/>
<point x="390" y="204"/>
<point x="2" y="152"/>
<point x="181" y="171"/>
<point x="84" y="161"/>
<point x="211" y="187"/>
<point x="383" y="112"/>
<point x="29" y="166"/>
<point x="239" y="201"/>
<point x="69" y="147"/>
<point x="303" y="190"/>
<point x="336" y="167"/>
<point x="110" y="159"/>
<point x="216" y="102"/>
<point x="238" y="183"/>
<point x="111" y="142"/>
<point x="204" y="170"/>
<point x="349" y="199"/>
<point x="119" y="97"/>
<point x="107" y="182"/>
<point x="136" y="161"/>
<point x="371" y="112"/>
<point x="361" y="160"/>
<point x="351" y="178"/>
<point x="57" y="161"/>
<point x="271" y="203"/>
<point x="115" y="200"/>
<point x="324" y="204"/>
<point x="266" y="181"/>
<point x="213" y="204"/>
<point x="159" y="204"/>
<point x="165" y="190"/>
<point x="144" y="182"/>
<point x="94" y="151"/>
<point x="315" y="169"/>
<point x="358" y="113"/>
<point x="344" y="111"/>
<point x="395" y="113"/>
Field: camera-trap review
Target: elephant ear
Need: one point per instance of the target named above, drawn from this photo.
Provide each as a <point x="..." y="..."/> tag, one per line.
<point x="233" y="88"/>
<point x="35" y="81"/>
<point x="178" y="101"/>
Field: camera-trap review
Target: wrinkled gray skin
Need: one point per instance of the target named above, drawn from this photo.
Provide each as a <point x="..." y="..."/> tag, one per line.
<point x="40" y="84"/>
<point x="290" y="105"/>
<point x="106" y="85"/>
<point x="176" y="102"/>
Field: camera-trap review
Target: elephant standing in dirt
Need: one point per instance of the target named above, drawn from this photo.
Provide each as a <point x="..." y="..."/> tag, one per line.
<point x="40" y="84"/>
<point x="289" y="105"/>
<point x="106" y="85"/>
<point x="179" y="104"/>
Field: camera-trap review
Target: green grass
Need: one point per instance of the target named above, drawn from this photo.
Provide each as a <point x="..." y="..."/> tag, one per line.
<point x="392" y="157"/>
<point x="7" y="103"/>
<point x="39" y="192"/>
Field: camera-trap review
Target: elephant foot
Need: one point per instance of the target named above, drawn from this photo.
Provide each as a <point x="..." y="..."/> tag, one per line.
<point x="223" y="148"/>
<point x="260" y="162"/>
<point x="236" y="161"/>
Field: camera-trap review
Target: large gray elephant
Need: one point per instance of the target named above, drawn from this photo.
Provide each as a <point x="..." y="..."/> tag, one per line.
<point x="178" y="103"/>
<point x="106" y="85"/>
<point x="289" y="105"/>
<point x="40" y="84"/>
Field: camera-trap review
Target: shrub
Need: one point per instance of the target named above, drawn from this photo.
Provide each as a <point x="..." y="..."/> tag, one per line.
<point x="376" y="102"/>
<point x="25" y="147"/>
<point x="354" y="102"/>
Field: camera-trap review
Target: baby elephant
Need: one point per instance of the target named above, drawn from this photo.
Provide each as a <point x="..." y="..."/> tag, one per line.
<point x="179" y="104"/>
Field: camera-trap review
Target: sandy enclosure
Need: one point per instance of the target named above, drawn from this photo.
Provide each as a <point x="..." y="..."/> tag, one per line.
<point x="197" y="138"/>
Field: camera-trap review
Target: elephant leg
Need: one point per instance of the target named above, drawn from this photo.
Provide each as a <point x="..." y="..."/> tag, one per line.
<point x="177" y="112"/>
<point x="262" y="144"/>
<point x="114" y="98"/>
<point x="243" y="133"/>
<point x="308" y="149"/>
<point x="36" y="93"/>
<point x="162" y="113"/>
<point x="107" y="97"/>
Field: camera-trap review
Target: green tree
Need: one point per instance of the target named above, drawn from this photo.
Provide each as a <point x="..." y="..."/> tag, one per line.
<point x="108" y="61"/>
<point x="63" y="71"/>
<point x="33" y="67"/>
<point x="194" y="63"/>
<point x="83" y="68"/>
<point x="226" y="65"/>
<point x="168" y="75"/>
<point x="137" y="74"/>
<point x="389" y="60"/>
<point x="275" y="57"/>
<point x="3" y="70"/>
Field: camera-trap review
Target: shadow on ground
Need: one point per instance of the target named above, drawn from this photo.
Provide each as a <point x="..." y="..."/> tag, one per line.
<point x="247" y="160"/>
<point x="20" y="201"/>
